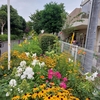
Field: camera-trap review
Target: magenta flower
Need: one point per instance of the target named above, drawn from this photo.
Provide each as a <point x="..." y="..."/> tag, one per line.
<point x="50" y="74"/>
<point x="58" y="75"/>
<point x="63" y="85"/>
<point x="65" y="79"/>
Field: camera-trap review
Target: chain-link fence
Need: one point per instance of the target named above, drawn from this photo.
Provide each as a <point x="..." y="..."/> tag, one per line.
<point x="89" y="60"/>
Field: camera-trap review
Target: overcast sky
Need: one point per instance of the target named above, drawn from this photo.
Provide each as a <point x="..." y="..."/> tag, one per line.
<point x="27" y="7"/>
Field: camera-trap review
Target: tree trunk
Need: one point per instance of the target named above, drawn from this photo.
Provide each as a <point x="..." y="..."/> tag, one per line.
<point x="2" y="26"/>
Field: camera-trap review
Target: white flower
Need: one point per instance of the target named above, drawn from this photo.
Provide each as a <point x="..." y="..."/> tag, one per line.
<point x="10" y="89"/>
<point x="27" y="54"/>
<point x="12" y="83"/>
<point x="7" y="94"/>
<point x="70" y="60"/>
<point x="23" y="63"/>
<point x="95" y="74"/>
<point x="30" y="76"/>
<point x="34" y="55"/>
<point x="19" y="71"/>
<point x="19" y="90"/>
<point x="90" y="78"/>
<point x="28" y="73"/>
<point x="29" y="70"/>
<point x="35" y="62"/>
<point x="23" y="76"/>
<point x="42" y="64"/>
<point x="86" y="73"/>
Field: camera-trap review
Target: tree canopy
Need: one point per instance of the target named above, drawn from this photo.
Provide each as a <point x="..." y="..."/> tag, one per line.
<point x="18" y="23"/>
<point x="51" y="19"/>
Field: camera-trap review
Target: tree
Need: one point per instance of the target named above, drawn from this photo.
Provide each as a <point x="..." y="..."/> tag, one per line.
<point x="52" y="17"/>
<point x="3" y="20"/>
<point x="36" y="19"/>
<point x="18" y="23"/>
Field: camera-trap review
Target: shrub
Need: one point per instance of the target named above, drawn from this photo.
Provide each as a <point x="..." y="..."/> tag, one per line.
<point x="46" y="40"/>
<point x="4" y="37"/>
<point x="14" y="37"/>
<point x="29" y="46"/>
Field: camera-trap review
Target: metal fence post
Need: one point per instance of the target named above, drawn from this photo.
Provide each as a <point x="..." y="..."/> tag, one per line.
<point x="62" y="46"/>
<point x="76" y="50"/>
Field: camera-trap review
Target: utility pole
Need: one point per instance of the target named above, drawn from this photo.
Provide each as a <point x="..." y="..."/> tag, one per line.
<point x="91" y="34"/>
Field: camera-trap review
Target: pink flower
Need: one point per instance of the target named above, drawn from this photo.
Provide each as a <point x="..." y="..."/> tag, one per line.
<point x="65" y="79"/>
<point x="63" y="85"/>
<point x="58" y="75"/>
<point x="50" y="74"/>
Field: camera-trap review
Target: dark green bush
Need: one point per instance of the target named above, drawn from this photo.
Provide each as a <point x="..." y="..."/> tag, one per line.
<point x="46" y="40"/>
<point x="4" y="37"/>
<point x="14" y="37"/>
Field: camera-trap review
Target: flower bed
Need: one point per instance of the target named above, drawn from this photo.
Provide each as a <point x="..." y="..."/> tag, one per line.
<point x="45" y="77"/>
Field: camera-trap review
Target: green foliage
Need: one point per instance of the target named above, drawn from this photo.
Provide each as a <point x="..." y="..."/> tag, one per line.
<point x="4" y="37"/>
<point x="18" y="23"/>
<point x="46" y="40"/>
<point x="36" y="18"/>
<point x="29" y="46"/>
<point x="51" y="19"/>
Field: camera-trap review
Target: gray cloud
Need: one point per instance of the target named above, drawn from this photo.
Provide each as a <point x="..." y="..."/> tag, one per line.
<point x="27" y="7"/>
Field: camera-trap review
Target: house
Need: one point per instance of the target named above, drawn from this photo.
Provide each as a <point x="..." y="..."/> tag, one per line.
<point x="81" y="27"/>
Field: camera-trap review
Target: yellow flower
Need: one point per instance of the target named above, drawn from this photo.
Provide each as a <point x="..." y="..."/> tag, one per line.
<point x="25" y="97"/>
<point x="34" y="95"/>
<point x="35" y="89"/>
<point x="16" y="98"/>
<point x="20" y="45"/>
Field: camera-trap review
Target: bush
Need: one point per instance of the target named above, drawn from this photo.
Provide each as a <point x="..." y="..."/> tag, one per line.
<point x="4" y="37"/>
<point x="31" y="46"/>
<point x="46" y="40"/>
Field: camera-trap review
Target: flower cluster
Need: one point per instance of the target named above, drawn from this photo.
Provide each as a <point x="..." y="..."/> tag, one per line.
<point x="24" y="72"/>
<point x="53" y="93"/>
<point x="92" y="76"/>
<point x="55" y="74"/>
